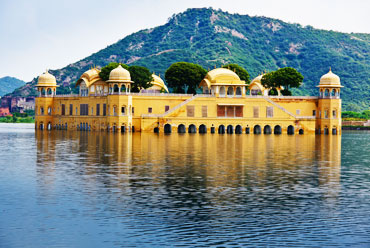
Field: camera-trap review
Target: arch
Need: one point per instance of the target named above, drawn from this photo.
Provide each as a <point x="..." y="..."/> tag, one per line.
<point x="49" y="92"/>
<point x="49" y="110"/>
<point x="326" y="130"/>
<point x="334" y="130"/>
<point x="221" y="129"/>
<point x="115" y="88"/>
<point x="267" y="129"/>
<point x="123" y="129"/>
<point x="49" y="126"/>
<point x="167" y="128"/>
<point x="326" y="93"/>
<point x="222" y="91"/>
<point x="230" y="129"/>
<point x="230" y="91"/>
<point x="277" y="129"/>
<point x="41" y="126"/>
<point x="202" y="129"/>
<point x="181" y="128"/>
<point x="60" y="127"/>
<point x="333" y="92"/>
<point x="238" y="129"/>
<point x="238" y="91"/>
<point x="301" y="131"/>
<point x="192" y="129"/>
<point x="290" y="129"/>
<point x="257" y="129"/>
<point x="156" y="130"/>
<point x="123" y="88"/>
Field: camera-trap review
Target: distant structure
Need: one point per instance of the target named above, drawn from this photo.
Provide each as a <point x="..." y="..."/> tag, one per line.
<point x="227" y="105"/>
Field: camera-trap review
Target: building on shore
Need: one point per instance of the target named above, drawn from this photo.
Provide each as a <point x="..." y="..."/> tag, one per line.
<point x="226" y="105"/>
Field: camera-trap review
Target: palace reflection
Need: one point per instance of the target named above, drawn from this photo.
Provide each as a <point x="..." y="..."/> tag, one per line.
<point x="205" y="161"/>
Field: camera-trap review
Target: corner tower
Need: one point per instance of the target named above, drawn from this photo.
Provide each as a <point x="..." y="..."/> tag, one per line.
<point x="329" y="120"/>
<point x="46" y="87"/>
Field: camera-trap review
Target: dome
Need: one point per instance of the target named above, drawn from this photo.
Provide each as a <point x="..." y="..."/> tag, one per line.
<point x="157" y="81"/>
<point x="222" y="74"/>
<point x="119" y="75"/>
<point x="330" y="79"/>
<point x="46" y="79"/>
<point x="257" y="79"/>
<point x="89" y="77"/>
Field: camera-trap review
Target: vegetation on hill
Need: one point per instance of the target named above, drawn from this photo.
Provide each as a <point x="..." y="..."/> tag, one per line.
<point x="351" y="115"/>
<point x="211" y="38"/>
<point x="9" y="84"/>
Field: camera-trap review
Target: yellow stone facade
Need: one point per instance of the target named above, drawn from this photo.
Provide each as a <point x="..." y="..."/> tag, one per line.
<point x="227" y="105"/>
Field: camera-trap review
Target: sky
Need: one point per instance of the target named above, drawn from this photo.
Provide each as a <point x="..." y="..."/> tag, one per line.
<point x="36" y="35"/>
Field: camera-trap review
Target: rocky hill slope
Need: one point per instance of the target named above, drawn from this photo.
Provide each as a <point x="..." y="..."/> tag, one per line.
<point x="212" y="38"/>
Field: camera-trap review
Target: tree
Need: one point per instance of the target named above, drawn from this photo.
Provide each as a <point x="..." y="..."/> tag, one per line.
<point x="240" y="71"/>
<point x="141" y="76"/>
<point x="184" y="77"/>
<point x="284" y="77"/>
<point x="105" y="71"/>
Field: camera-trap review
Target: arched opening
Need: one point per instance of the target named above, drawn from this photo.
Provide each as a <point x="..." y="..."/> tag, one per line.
<point x="230" y="91"/>
<point x="192" y="128"/>
<point x="50" y="92"/>
<point x="267" y="129"/>
<point x="213" y="129"/>
<point x="257" y="129"/>
<point x="115" y="88"/>
<point x="300" y="131"/>
<point x="49" y="126"/>
<point x="333" y="92"/>
<point x="202" y="129"/>
<point x="221" y="129"/>
<point x="49" y="110"/>
<point x="60" y="127"/>
<point x="238" y="129"/>
<point x="123" y="88"/>
<point x="181" y="128"/>
<point x="277" y="129"/>
<point x="123" y="129"/>
<point x="326" y="93"/>
<point x="156" y="130"/>
<point x="43" y="92"/>
<point x="238" y="91"/>
<point x="326" y="130"/>
<point x="222" y="91"/>
<point x="41" y="126"/>
<point x="65" y="126"/>
<point x="290" y="129"/>
<point x="167" y="128"/>
<point x="89" y="127"/>
<point x="230" y="129"/>
<point x="334" y="131"/>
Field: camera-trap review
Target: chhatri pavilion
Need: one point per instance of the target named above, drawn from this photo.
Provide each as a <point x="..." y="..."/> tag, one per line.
<point x="226" y="105"/>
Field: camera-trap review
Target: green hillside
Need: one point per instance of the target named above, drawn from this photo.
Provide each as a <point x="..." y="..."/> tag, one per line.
<point x="212" y="38"/>
<point x="8" y="84"/>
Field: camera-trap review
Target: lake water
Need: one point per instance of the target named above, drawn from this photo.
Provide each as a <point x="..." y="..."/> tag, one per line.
<point x="91" y="189"/>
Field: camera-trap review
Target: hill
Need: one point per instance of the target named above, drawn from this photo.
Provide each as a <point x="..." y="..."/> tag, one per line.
<point x="212" y="37"/>
<point x="9" y="84"/>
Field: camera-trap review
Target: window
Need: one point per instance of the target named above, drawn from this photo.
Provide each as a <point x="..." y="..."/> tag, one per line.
<point x="320" y="114"/>
<point x="326" y="114"/>
<point x="63" y="109"/>
<point x="70" y="109"/>
<point x="298" y="112"/>
<point x="92" y="110"/>
<point x="49" y="110"/>
<point x="76" y="111"/>
<point x="313" y="112"/>
<point x="84" y="109"/>
<point x="270" y="112"/>
<point x="115" y="110"/>
<point x="98" y="109"/>
<point x="133" y="110"/>
<point x="238" y="111"/>
<point x="221" y="111"/>
<point x="104" y="109"/>
<point x="204" y="111"/>
<point x="334" y="114"/>
<point x="190" y="111"/>
<point x="150" y="110"/>
<point x="123" y="110"/>
<point x="256" y="112"/>
<point x="166" y="108"/>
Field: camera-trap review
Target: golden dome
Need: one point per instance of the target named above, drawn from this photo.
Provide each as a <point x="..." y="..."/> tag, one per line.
<point x="89" y="77"/>
<point x="222" y="75"/>
<point x="330" y="79"/>
<point x="46" y="79"/>
<point x="119" y="75"/>
<point x="257" y="79"/>
<point x="158" y="82"/>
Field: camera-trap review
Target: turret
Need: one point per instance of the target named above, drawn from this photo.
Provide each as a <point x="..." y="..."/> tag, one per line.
<point x="329" y="105"/>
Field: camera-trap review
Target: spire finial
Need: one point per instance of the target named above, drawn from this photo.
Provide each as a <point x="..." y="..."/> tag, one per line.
<point x="330" y="68"/>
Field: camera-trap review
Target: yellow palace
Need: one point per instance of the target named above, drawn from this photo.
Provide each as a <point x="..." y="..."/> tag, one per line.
<point x="226" y="105"/>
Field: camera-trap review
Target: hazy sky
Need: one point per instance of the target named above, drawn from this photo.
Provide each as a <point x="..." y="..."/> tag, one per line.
<point x="40" y="34"/>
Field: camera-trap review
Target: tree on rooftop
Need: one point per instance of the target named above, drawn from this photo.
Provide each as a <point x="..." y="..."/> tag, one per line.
<point x="240" y="71"/>
<point x="184" y="77"/>
<point x="141" y="76"/>
<point x="286" y="77"/>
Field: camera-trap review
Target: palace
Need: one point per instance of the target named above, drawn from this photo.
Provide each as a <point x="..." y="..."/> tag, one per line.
<point x="226" y="105"/>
